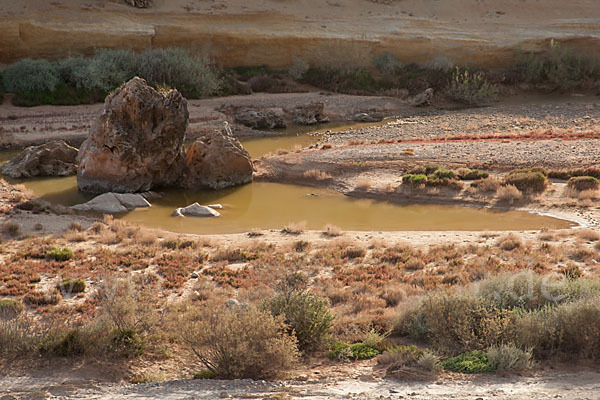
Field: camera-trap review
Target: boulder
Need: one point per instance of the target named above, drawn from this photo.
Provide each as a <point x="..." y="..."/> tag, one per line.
<point x="216" y="161"/>
<point x="269" y="118"/>
<point x="422" y="99"/>
<point x="137" y="143"/>
<point x="51" y="159"/>
<point x="310" y="114"/>
<point x="112" y="203"/>
<point x="196" y="210"/>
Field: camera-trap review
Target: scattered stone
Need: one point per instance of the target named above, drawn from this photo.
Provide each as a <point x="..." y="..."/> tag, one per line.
<point x="55" y="158"/>
<point x="216" y="161"/>
<point x="310" y="114"/>
<point x="368" y="116"/>
<point x="112" y="203"/>
<point x="137" y="143"/>
<point x="196" y="210"/>
<point x="269" y="118"/>
<point x="422" y="99"/>
<point x="140" y="3"/>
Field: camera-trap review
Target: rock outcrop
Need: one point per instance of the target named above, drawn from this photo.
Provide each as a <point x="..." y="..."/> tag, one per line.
<point x="310" y="114"/>
<point x="196" y="210"/>
<point x="422" y="99"/>
<point x="113" y="203"/>
<point x="51" y="159"/>
<point x="269" y="118"/>
<point x="137" y="143"/>
<point x="216" y="161"/>
<point x="139" y="3"/>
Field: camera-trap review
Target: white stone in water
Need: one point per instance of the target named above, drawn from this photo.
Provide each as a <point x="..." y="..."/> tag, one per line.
<point x="215" y="206"/>
<point x="177" y="212"/>
<point x="112" y="203"/>
<point x="196" y="210"/>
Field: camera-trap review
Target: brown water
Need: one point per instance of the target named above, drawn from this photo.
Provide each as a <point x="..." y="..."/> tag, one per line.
<point x="272" y="206"/>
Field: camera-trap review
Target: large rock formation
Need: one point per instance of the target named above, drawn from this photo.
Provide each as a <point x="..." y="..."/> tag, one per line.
<point x="216" y="161"/>
<point x="137" y="143"/>
<point x="269" y="118"/>
<point x="51" y="159"/>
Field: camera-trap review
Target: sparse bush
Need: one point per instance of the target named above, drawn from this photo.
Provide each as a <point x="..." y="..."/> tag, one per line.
<point x="294" y="228"/>
<point x="580" y="183"/>
<point x="509" y="242"/>
<point x="298" y="68"/>
<point x="353" y="252"/>
<point x="527" y="180"/>
<point x="487" y="185"/>
<point x="317" y="175"/>
<point x="240" y="343"/>
<point x="414" y="179"/>
<point x="471" y="174"/>
<point x="59" y="254"/>
<point x="307" y="314"/>
<point x="36" y="298"/>
<point x="509" y="194"/>
<point x="332" y="231"/>
<point x="70" y="285"/>
<point x="10" y="308"/>
<point x="470" y="88"/>
<point x="443" y="173"/>
<point x="387" y="63"/>
<point x="509" y="357"/>
<point x="11" y="228"/>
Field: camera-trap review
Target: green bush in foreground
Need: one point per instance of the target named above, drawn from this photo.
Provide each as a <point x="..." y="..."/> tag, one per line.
<point x="527" y="180"/>
<point x="473" y="362"/>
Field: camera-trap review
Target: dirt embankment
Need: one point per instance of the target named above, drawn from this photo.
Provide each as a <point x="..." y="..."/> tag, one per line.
<point x="272" y="32"/>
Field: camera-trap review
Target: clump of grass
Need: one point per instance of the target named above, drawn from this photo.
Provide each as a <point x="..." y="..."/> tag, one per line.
<point x="317" y="175"/>
<point x="471" y="174"/>
<point x="509" y="194"/>
<point x="72" y="285"/>
<point x="363" y="184"/>
<point x="589" y="235"/>
<point x="59" y="254"/>
<point x="294" y="228"/>
<point x="528" y="180"/>
<point x="11" y="228"/>
<point x="509" y="242"/>
<point x="332" y="231"/>
<point x="489" y="185"/>
<point x="581" y="183"/>
<point x="353" y="252"/>
<point x="36" y="298"/>
<point x="509" y="357"/>
<point x="10" y="308"/>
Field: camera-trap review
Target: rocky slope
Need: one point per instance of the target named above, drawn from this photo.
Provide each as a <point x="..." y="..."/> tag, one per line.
<point x="242" y="32"/>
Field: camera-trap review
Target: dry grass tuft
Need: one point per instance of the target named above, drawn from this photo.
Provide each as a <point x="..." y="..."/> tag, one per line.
<point x="510" y="242"/>
<point x="317" y="175"/>
<point x="509" y="194"/>
<point x="294" y="228"/>
<point x="363" y="184"/>
<point x="589" y="235"/>
<point x="332" y="231"/>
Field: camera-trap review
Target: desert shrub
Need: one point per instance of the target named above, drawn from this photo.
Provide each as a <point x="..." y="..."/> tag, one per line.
<point x="370" y="347"/>
<point x="345" y="80"/>
<point x="509" y="357"/>
<point x="509" y="194"/>
<point x="353" y="252"/>
<point x="10" y="308"/>
<point x="317" y="175"/>
<point x="71" y="285"/>
<point x="59" y="254"/>
<point x="240" y="342"/>
<point x="387" y="63"/>
<point x="428" y="361"/>
<point x="205" y="374"/>
<point x="471" y="174"/>
<point x="307" y="314"/>
<point x="580" y="183"/>
<point x="414" y="179"/>
<point x="17" y="335"/>
<point x="443" y="173"/>
<point x="192" y="76"/>
<point x="509" y="242"/>
<point x="298" y="68"/>
<point x="36" y="298"/>
<point x="470" y="88"/>
<point x="294" y="228"/>
<point x="63" y="344"/>
<point x="400" y="355"/>
<point x="30" y="76"/>
<point x="473" y="362"/>
<point x="558" y="66"/>
<point x="487" y="185"/>
<point x="332" y="230"/>
<point x="110" y="68"/>
<point x="589" y="171"/>
<point x="424" y="169"/>
<point x="11" y="228"/>
<point x="527" y="180"/>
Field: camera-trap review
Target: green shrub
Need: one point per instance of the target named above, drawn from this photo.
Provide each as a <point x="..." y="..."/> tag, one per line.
<point x="31" y="75"/>
<point x="589" y="171"/>
<point x="470" y="88"/>
<point x="509" y="357"/>
<point x="59" y="254"/>
<point x="240" y="343"/>
<point x="306" y="314"/>
<point x="473" y="362"/>
<point x="63" y="344"/>
<point x="471" y="174"/>
<point x="424" y="169"/>
<point x="443" y="173"/>
<point x="71" y="285"/>
<point x="527" y="180"/>
<point x="580" y="183"/>
<point x="414" y="179"/>
<point x="10" y="308"/>
<point x="357" y="351"/>
<point x="205" y="374"/>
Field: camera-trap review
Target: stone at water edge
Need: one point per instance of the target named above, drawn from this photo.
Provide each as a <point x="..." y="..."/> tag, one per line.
<point x="55" y="158"/>
<point x="196" y="210"/>
<point x="310" y="114"/>
<point x="422" y="99"/>
<point x="113" y="203"/>
<point x="137" y="143"/>
<point x="215" y="206"/>
<point x="269" y="118"/>
<point x="216" y="161"/>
